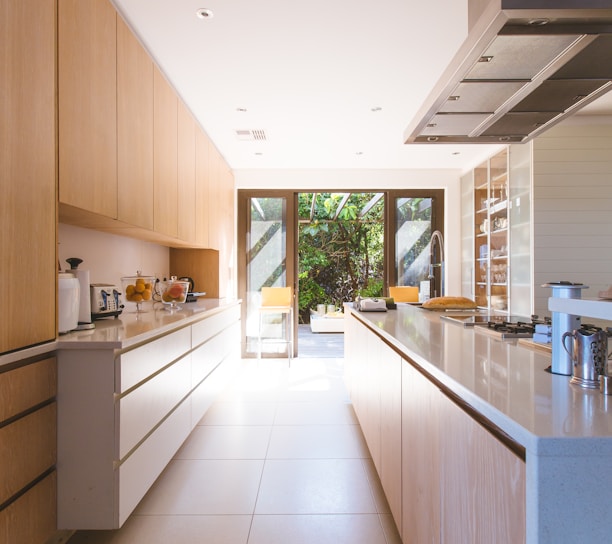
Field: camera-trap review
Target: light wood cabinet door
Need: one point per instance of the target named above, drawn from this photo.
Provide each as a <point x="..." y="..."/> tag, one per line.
<point x="165" y="127"/>
<point x="202" y="184"/>
<point x="28" y="171"/>
<point x="134" y="130"/>
<point x="186" y="157"/>
<point x="420" y="459"/>
<point x="483" y="483"/>
<point x="215" y="192"/>
<point x="87" y="96"/>
<point x="391" y="430"/>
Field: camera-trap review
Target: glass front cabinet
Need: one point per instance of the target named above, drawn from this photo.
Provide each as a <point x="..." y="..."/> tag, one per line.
<point x="491" y="270"/>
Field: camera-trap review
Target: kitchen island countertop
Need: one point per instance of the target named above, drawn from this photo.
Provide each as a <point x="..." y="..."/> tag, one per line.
<point x="503" y="380"/>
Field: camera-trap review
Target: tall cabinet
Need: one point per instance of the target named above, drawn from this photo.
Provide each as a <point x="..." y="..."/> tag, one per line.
<point x="491" y="234"/>
<point x="28" y="172"/>
<point x="496" y="232"/>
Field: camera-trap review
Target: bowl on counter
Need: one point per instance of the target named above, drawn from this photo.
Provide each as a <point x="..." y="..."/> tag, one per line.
<point x="138" y="290"/>
<point x="173" y="292"/>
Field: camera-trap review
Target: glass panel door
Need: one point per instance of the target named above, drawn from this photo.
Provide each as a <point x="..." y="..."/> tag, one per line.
<point x="414" y="217"/>
<point x="267" y="238"/>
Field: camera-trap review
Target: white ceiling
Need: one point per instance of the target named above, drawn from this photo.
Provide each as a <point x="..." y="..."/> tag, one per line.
<point x="309" y="75"/>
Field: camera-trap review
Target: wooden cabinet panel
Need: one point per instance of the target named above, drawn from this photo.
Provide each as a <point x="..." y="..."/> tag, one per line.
<point x="202" y="183"/>
<point x="391" y="430"/>
<point x="420" y="458"/>
<point x="87" y="95"/>
<point x="28" y="170"/>
<point x="32" y="517"/>
<point x="134" y="130"/>
<point x="28" y="447"/>
<point x="483" y="483"/>
<point x="215" y="195"/>
<point x="165" y="185"/>
<point x="27" y="386"/>
<point x="186" y="157"/>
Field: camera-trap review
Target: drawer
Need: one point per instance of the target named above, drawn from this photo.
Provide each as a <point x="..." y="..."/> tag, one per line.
<point x="31" y="518"/>
<point x="210" y="354"/>
<point x="209" y="327"/>
<point x="27" y="449"/>
<point x="144" y="407"/>
<point x="141" y="469"/>
<point x="27" y="386"/>
<point x="138" y="364"/>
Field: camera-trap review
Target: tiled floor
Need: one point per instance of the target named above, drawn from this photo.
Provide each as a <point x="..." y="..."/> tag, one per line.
<point x="279" y="459"/>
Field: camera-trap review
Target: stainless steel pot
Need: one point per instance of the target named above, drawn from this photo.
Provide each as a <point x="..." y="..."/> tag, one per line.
<point x="589" y="355"/>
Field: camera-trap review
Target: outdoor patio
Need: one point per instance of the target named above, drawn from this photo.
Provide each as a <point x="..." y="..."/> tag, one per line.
<point x="323" y="344"/>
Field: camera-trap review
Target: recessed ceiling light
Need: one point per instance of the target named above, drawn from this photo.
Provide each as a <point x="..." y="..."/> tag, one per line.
<point x="456" y="153"/>
<point x="359" y="153"/>
<point x="376" y="108"/>
<point x="205" y="13"/>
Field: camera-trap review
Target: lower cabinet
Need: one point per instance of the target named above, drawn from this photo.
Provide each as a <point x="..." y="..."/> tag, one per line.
<point x="448" y="479"/>
<point x="28" y="452"/>
<point x="123" y="414"/>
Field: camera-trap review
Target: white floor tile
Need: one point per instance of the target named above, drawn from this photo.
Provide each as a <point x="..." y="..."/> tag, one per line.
<point x="240" y="413"/>
<point x="317" y="442"/>
<point x="313" y="413"/>
<point x="226" y="442"/>
<point x="172" y="529"/>
<point x="199" y="487"/>
<point x="319" y="529"/>
<point x="314" y="486"/>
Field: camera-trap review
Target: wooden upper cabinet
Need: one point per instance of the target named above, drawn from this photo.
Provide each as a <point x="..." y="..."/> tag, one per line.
<point x="186" y="174"/>
<point x="202" y="182"/>
<point x="28" y="170"/>
<point x="165" y="185"/>
<point x="87" y="95"/>
<point x="134" y="130"/>
<point x="215" y="194"/>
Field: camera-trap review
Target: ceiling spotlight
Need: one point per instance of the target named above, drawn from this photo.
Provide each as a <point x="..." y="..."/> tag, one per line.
<point x="456" y="153"/>
<point x="204" y="13"/>
<point x="241" y="110"/>
<point x="376" y="108"/>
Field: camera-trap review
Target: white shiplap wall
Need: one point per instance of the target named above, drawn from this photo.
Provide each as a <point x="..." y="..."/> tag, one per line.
<point x="572" y="208"/>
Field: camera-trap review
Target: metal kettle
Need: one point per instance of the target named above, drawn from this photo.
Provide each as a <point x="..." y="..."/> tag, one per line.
<point x="589" y="355"/>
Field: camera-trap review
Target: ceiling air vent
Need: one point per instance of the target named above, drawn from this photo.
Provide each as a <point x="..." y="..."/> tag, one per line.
<point x="249" y="135"/>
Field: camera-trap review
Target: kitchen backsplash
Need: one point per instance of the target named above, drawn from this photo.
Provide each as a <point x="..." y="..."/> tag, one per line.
<point x="108" y="257"/>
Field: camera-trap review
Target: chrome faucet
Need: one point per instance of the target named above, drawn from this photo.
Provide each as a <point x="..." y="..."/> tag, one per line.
<point x="436" y="236"/>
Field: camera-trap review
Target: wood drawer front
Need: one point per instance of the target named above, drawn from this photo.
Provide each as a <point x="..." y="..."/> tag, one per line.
<point x="31" y="519"/>
<point x="27" y="386"/>
<point x="142" y="409"/>
<point x="27" y="449"/>
<point x="209" y="355"/>
<point x="141" y="469"/>
<point x="209" y="327"/>
<point x="140" y="363"/>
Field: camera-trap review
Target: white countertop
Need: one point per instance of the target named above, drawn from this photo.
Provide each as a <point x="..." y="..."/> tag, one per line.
<point x="503" y="380"/>
<point x="127" y="330"/>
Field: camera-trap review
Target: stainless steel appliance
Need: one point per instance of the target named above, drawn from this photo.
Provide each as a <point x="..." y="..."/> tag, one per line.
<point x="503" y="326"/>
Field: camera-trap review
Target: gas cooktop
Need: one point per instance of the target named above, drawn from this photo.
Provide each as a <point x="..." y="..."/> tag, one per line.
<point x="503" y="326"/>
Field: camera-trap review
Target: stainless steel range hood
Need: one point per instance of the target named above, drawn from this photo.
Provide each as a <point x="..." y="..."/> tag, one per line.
<point x="525" y="65"/>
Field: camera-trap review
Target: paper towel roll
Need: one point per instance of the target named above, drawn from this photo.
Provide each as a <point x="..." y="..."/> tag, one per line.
<point x="85" y="299"/>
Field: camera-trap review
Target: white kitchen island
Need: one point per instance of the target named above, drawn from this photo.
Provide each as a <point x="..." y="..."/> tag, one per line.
<point x="130" y="391"/>
<point x="489" y="439"/>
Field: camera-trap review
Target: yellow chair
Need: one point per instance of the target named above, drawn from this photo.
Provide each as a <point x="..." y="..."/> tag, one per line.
<point x="404" y="293"/>
<point x="277" y="301"/>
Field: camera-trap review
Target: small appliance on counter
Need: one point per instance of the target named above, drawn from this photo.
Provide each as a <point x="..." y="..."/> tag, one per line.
<point x="192" y="295"/>
<point x="106" y="300"/>
<point x="562" y="323"/>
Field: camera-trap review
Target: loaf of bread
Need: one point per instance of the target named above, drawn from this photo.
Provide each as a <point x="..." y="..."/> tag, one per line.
<point x="449" y="303"/>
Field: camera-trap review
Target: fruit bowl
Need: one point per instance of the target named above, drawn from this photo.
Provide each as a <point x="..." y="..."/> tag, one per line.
<point x="173" y="293"/>
<point x="138" y="290"/>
